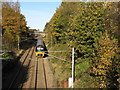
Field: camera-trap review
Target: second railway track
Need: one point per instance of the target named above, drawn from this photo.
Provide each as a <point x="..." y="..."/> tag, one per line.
<point x="23" y="60"/>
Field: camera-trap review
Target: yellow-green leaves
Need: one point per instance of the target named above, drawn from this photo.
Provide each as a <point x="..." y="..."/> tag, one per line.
<point x="91" y="28"/>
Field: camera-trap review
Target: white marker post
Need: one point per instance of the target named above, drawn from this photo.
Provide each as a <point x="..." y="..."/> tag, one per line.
<point x="70" y="82"/>
<point x="18" y="42"/>
<point x="72" y="67"/>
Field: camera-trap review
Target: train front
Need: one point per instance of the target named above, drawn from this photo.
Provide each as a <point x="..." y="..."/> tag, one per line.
<point x="40" y="48"/>
<point x="40" y="51"/>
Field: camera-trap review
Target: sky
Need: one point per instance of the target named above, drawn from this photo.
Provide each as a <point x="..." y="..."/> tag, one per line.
<point x="38" y="13"/>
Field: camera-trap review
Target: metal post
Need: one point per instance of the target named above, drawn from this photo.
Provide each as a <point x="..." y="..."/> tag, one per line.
<point x="73" y="67"/>
<point x="18" y="43"/>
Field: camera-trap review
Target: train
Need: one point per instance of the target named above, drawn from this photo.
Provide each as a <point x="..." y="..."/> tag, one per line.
<point x="41" y="50"/>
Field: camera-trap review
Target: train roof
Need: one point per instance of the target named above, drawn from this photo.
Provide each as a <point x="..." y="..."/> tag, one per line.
<point x="40" y="42"/>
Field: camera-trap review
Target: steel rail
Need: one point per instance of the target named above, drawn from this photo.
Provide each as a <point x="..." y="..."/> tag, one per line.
<point x="36" y="74"/>
<point x="28" y="65"/>
<point x="44" y="74"/>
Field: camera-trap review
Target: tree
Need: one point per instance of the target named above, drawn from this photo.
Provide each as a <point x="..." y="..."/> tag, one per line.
<point x="92" y="29"/>
<point x="13" y="24"/>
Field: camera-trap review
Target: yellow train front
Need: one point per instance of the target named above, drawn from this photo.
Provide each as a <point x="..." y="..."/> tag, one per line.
<point x="40" y="49"/>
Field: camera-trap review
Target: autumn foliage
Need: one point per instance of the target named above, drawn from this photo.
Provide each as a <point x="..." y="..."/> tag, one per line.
<point x="92" y="29"/>
<point x="13" y="25"/>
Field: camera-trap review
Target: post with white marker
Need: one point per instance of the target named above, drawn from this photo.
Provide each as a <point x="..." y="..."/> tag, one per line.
<point x="73" y="67"/>
<point x="18" y="42"/>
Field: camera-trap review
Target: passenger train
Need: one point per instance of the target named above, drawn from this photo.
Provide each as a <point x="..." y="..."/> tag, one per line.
<point x="41" y="50"/>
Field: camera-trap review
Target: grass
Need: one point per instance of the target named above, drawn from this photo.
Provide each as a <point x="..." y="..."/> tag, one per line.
<point x="61" y="69"/>
<point x="9" y="55"/>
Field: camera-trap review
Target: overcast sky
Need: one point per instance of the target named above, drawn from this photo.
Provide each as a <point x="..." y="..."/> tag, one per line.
<point x="38" y="13"/>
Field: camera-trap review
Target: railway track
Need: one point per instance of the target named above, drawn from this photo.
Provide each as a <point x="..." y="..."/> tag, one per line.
<point x="23" y="60"/>
<point x="45" y="81"/>
<point x="28" y="65"/>
<point x="36" y="72"/>
<point x="40" y="81"/>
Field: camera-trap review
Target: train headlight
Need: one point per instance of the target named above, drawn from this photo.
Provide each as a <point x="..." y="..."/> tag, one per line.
<point x="39" y="48"/>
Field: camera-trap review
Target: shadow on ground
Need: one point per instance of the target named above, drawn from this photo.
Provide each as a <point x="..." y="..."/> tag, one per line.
<point x="9" y="75"/>
<point x="13" y="67"/>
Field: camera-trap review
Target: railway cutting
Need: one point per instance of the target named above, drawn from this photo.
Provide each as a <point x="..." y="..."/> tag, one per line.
<point x="34" y="72"/>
